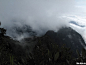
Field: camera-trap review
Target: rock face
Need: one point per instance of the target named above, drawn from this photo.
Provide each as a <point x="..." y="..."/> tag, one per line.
<point x="69" y="37"/>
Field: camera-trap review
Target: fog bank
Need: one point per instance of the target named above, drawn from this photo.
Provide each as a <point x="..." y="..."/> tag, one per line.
<point x="41" y="15"/>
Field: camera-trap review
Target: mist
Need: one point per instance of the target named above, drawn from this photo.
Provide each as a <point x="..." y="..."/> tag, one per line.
<point x="40" y="15"/>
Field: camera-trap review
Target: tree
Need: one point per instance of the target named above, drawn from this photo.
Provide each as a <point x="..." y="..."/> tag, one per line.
<point x="2" y="30"/>
<point x="0" y="23"/>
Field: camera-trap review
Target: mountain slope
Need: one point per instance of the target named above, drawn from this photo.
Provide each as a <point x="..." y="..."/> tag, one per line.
<point x="69" y="37"/>
<point x="52" y="48"/>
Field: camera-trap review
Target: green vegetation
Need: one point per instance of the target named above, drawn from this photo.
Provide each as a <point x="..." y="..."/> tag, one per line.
<point x="45" y="52"/>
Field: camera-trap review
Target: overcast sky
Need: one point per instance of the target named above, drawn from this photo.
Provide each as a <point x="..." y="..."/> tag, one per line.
<point x="39" y="8"/>
<point x="35" y="8"/>
<point x="40" y="14"/>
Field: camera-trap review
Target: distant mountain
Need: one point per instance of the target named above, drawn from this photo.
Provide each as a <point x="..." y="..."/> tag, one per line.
<point x="73" y="22"/>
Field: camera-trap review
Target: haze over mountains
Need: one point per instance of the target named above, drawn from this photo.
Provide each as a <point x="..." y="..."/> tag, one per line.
<point x="41" y="16"/>
<point x="47" y="32"/>
<point x="30" y="18"/>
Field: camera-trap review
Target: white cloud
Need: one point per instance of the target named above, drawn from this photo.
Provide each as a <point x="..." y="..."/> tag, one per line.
<point x="40" y="14"/>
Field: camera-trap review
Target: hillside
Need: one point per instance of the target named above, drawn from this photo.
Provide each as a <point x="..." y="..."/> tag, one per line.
<point x="50" y="49"/>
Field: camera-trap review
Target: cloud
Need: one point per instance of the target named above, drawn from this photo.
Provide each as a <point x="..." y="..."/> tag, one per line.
<point x="41" y="15"/>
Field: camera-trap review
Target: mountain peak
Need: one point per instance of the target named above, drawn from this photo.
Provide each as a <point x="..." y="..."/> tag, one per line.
<point x="69" y="37"/>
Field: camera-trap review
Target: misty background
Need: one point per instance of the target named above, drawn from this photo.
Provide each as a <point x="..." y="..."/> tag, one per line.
<point x="41" y="15"/>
